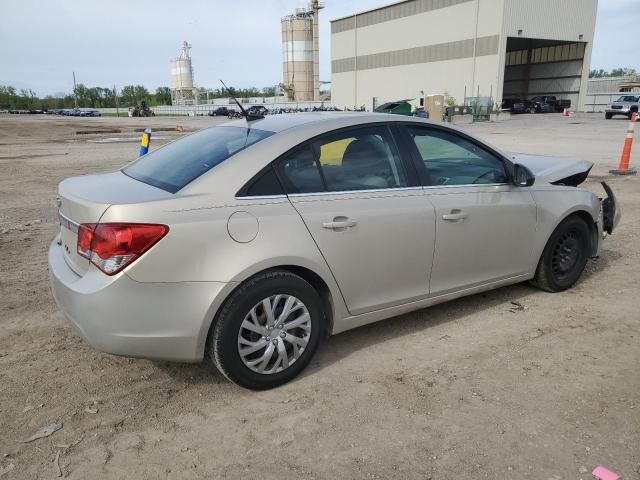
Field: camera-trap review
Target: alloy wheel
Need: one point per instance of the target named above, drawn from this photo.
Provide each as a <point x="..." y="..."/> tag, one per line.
<point x="274" y="334"/>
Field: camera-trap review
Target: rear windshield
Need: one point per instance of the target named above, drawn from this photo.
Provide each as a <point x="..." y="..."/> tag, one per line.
<point x="179" y="163"/>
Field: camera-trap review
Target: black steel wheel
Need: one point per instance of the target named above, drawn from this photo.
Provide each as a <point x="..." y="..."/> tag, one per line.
<point x="565" y="256"/>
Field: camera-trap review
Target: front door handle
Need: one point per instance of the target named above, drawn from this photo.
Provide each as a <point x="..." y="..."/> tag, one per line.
<point x="454" y="216"/>
<point x="339" y="223"/>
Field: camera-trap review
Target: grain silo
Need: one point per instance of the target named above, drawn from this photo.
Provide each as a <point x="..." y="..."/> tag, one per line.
<point x="300" y="53"/>
<point x="183" y="91"/>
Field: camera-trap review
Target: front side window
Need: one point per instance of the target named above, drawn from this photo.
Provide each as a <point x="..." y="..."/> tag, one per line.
<point x="450" y="159"/>
<point x="356" y="159"/>
<point x="179" y="163"/>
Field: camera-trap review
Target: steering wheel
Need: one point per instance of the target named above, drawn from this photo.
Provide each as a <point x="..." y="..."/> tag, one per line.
<point x="482" y="176"/>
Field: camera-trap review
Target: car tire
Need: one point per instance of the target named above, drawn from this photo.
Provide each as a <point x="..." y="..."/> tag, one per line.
<point x="608" y="116"/>
<point x="532" y="110"/>
<point x="230" y="335"/>
<point x="564" y="257"/>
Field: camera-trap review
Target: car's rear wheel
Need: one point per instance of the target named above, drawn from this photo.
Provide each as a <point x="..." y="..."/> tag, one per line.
<point x="564" y="257"/>
<point x="268" y="330"/>
<point x="532" y="110"/>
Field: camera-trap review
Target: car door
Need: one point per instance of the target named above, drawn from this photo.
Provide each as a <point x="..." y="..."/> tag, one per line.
<point x="366" y="213"/>
<point x="485" y="225"/>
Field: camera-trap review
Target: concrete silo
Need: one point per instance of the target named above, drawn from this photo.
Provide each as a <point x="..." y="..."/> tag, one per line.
<point x="300" y="54"/>
<point x="183" y="92"/>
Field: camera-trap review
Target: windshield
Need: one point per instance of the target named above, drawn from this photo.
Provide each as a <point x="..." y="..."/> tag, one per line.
<point x="179" y="163"/>
<point x="628" y="98"/>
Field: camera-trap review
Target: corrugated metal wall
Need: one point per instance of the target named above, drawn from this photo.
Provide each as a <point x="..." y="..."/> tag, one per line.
<point x="391" y="12"/>
<point x="428" y="53"/>
<point x="551" y="19"/>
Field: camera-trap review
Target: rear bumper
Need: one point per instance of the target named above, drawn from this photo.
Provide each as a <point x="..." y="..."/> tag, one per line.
<point x="117" y="315"/>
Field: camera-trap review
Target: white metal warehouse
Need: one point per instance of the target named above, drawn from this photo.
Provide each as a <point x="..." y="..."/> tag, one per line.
<point x="469" y="48"/>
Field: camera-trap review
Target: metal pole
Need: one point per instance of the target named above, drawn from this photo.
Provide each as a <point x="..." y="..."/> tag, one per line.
<point x="491" y="96"/>
<point x="115" y="93"/>
<point x="475" y="44"/>
<point x="75" y="93"/>
<point x="316" y="49"/>
<point x="355" y="61"/>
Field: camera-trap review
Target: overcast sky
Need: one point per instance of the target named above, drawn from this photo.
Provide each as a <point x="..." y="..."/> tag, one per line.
<point x="131" y="41"/>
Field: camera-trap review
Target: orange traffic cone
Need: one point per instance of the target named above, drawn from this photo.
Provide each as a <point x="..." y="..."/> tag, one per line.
<point x="623" y="168"/>
<point x="565" y="113"/>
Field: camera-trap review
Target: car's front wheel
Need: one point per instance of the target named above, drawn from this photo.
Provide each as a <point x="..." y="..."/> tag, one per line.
<point x="532" y="110"/>
<point x="608" y="116"/>
<point x="268" y="330"/>
<point x="564" y="257"/>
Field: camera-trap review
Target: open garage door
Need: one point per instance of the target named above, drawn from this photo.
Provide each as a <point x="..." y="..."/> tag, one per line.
<point x="543" y="67"/>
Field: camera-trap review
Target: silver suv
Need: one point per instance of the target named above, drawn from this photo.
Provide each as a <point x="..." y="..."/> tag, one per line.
<point x="625" y="105"/>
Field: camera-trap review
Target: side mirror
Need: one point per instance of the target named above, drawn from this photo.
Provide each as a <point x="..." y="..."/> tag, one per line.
<point x="522" y="176"/>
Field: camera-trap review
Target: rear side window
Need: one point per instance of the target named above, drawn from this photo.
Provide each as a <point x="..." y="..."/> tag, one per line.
<point x="301" y="172"/>
<point x="179" y="163"/>
<point x="357" y="159"/>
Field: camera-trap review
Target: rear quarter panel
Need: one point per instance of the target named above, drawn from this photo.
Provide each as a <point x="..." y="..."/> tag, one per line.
<point x="199" y="248"/>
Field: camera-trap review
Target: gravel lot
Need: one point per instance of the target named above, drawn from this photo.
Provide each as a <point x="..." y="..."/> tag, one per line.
<point x="465" y="390"/>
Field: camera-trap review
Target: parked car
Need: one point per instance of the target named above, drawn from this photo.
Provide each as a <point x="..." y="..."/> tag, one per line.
<point x="220" y="111"/>
<point x="420" y="112"/>
<point x="625" y="105"/>
<point x="547" y="104"/>
<point x="401" y="107"/>
<point x="245" y="244"/>
<point x="257" y="110"/>
<point x="516" y="105"/>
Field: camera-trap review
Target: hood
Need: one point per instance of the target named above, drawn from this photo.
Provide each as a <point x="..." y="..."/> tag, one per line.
<point x="560" y="170"/>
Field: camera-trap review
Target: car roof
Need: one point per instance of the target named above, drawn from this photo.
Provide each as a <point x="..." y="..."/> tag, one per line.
<point x="313" y="123"/>
<point x="279" y="123"/>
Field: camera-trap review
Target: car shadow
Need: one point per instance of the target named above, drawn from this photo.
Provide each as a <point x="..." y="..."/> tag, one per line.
<point x="203" y="373"/>
<point x="339" y="347"/>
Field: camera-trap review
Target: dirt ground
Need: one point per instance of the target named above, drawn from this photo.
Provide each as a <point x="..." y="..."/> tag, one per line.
<point x="471" y="389"/>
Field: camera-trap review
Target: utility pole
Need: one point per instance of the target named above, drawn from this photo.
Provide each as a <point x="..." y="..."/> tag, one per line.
<point x="75" y="93"/>
<point x="115" y="94"/>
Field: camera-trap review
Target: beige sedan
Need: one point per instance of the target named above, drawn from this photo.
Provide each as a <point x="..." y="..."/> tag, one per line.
<point x="246" y="244"/>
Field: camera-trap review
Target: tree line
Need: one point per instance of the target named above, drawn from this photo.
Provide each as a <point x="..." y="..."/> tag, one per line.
<point x="616" y="72"/>
<point x="99" y="97"/>
<point x="88" y="97"/>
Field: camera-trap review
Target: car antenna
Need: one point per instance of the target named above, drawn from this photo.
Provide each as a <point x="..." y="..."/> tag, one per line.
<point x="247" y="116"/>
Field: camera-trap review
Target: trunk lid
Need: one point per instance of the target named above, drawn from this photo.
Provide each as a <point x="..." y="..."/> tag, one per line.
<point x="555" y="169"/>
<point x="85" y="199"/>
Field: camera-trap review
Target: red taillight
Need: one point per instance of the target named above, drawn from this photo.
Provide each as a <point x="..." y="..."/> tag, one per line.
<point x="113" y="246"/>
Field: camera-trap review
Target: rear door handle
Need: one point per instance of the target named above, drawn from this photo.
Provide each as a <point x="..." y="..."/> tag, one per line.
<point x="454" y="216"/>
<point x="338" y="223"/>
